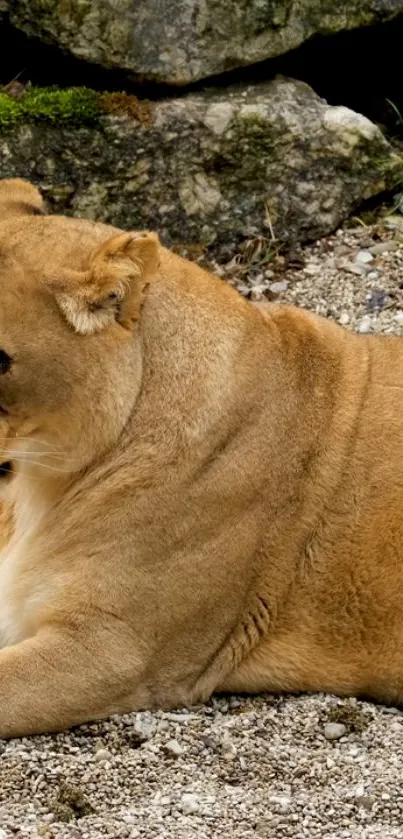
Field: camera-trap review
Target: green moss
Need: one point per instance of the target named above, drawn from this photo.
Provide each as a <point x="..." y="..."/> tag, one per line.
<point x="72" y="106"/>
<point x="10" y="111"/>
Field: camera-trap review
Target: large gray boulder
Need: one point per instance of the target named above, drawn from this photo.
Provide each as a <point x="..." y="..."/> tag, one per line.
<point x="180" y="41"/>
<point x="212" y="168"/>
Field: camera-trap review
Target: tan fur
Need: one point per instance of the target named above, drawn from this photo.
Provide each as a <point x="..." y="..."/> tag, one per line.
<point x="19" y="197"/>
<point x="204" y="497"/>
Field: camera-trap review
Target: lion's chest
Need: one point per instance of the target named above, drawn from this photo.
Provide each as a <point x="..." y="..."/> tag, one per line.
<point x="21" y="582"/>
<point x="12" y="599"/>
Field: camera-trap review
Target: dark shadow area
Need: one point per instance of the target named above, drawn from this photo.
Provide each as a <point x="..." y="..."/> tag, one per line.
<point x="29" y="59"/>
<point x="360" y="69"/>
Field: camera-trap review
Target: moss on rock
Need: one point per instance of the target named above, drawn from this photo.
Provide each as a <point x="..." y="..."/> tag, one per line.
<point x="66" y="106"/>
<point x="210" y="169"/>
<point x="10" y="111"/>
<point x="72" y="106"/>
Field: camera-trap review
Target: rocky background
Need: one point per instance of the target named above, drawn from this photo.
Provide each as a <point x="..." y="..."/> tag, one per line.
<point x="206" y="142"/>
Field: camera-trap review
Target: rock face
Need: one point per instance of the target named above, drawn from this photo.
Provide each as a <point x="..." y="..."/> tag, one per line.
<point x="180" y="41"/>
<point x="212" y="168"/>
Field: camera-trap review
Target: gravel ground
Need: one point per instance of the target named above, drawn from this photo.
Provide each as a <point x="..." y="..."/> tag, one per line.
<point x="267" y="768"/>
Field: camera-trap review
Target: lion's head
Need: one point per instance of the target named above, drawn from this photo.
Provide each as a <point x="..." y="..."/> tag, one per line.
<point x="70" y="367"/>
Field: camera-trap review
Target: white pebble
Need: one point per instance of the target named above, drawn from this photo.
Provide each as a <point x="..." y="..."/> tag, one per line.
<point x="229" y="751"/>
<point x="364" y="257"/>
<point x="280" y="803"/>
<point x="144" y="725"/>
<point x="365" y="326"/>
<point x="353" y="268"/>
<point x="174" y="748"/>
<point x="102" y="755"/>
<point x="311" y="270"/>
<point x="279" y="287"/>
<point x="190" y="804"/>
<point x="344" y="319"/>
<point x="334" y="730"/>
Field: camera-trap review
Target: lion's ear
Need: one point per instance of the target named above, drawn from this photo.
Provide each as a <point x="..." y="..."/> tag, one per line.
<point x="19" y="198"/>
<point x="113" y="287"/>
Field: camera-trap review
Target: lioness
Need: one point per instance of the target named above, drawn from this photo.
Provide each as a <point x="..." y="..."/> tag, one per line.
<point x="197" y="497"/>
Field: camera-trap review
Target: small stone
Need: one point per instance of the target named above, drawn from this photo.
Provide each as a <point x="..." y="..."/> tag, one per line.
<point x="393" y="222"/>
<point x="365" y="326"/>
<point x="396" y="727"/>
<point x="376" y="299"/>
<point x="352" y="268"/>
<point x="373" y="275"/>
<point x="128" y="818"/>
<point x="312" y="269"/>
<point x="364" y="257"/>
<point x="172" y="747"/>
<point x="257" y="292"/>
<point x="280" y="803"/>
<point x="383" y="247"/>
<point x="190" y="804"/>
<point x="342" y="250"/>
<point x="101" y="756"/>
<point x="144" y="726"/>
<point x="365" y="801"/>
<point x="229" y="750"/>
<point x="181" y="716"/>
<point x="279" y="287"/>
<point x="334" y="730"/>
<point x="344" y="319"/>
<point x="398" y="318"/>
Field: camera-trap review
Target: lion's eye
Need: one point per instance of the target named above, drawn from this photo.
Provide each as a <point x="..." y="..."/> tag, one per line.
<point x="5" y="362"/>
<point x="6" y="469"/>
